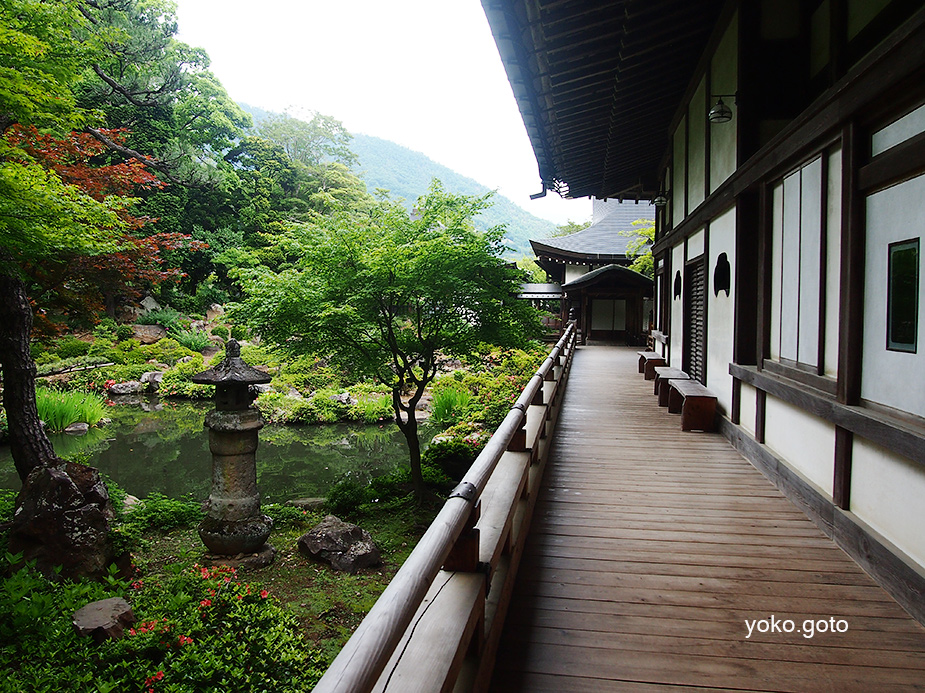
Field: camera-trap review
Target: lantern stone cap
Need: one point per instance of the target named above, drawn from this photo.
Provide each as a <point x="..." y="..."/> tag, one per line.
<point x="232" y="369"/>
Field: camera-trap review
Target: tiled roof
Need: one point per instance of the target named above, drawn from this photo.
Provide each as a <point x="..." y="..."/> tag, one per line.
<point x="625" y="274"/>
<point x="601" y="240"/>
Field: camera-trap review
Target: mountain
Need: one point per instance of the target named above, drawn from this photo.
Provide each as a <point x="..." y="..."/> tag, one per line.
<point x="407" y="175"/>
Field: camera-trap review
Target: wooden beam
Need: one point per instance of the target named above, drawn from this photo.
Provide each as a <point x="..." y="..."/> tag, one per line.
<point x="851" y="305"/>
<point x="841" y="484"/>
<point x="901" y="436"/>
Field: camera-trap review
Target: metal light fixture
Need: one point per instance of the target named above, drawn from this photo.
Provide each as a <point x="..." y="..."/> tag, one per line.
<point x="721" y="113"/>
<point x="660" y="200"/>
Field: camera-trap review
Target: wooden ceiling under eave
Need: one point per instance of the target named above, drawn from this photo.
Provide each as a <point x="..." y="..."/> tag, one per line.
<point x="598" y="82"/>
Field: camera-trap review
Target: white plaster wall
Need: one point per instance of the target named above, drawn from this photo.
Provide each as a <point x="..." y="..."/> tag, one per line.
<point x="572" y="272"/>
<point x="833" y="266"/>
<point x="678" y="188"/>
<point x="696" y="146"/>
<point x="723" y="80"/>
<point x="893" y="378"/>
<point x="677" y="306"/>
<point x="810" y="262"/>
<point x="695" y="245"/>
<point x="886" y="493"/>
<point x="721" y="312"/>
<point x="790" y="269"/>
<point x="805" y="442"/>
<point x="777" y="226"/>
<point x="748" y="409"/>
<point x="898" y="131"/>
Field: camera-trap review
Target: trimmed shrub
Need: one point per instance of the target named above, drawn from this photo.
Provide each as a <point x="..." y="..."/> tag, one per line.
<point x="453" y="457"/>
<point x="220" y="331"/>
<point x="69" y="347"/>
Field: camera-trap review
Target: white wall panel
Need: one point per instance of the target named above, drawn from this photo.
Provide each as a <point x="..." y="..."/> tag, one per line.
<point x="886" y="493"/>
<point x="696" y="146"/>
<point x="790" y="269"/>
<point x="810" y="262"/>
<point x="898" y="131"/>
<point x="805" y="442"/>
<point x="748" y="408"/>
<point x="678" y="185"/>
<point x="721" y="312"/>
<point x="777" y="251"/>
<point x="723" y="80"/>
<point x="893" y="378"/>
<point x="677" y="307"/>
<point x="833" y="266"/>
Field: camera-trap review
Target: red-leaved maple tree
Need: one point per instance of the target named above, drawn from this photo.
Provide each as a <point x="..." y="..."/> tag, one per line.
<point x="89" y="284"/>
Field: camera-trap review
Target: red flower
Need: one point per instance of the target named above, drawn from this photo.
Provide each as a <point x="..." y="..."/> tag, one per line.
<point x="264" y="594"/>
<point x="205" y="602"/>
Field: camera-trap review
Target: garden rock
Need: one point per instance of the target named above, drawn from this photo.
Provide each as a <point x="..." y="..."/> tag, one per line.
<point x="77" y="429"/>
<point x="148" y="334"/>
<point x="345" y="546"/>
<point x="62" y="519"/>
<point x="132" y="387"/>
<point x="214" y="311"/>
<point x="152" y="380"/>
<point x="306" y="503"/>
<point x="149" y="304"/>
<point x="105" y="619"/>
<point x="343" y="398"/>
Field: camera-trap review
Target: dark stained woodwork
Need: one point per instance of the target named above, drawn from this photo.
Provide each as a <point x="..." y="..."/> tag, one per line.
<point x="802" y="374"/>
<point x="649" y="549"/>
<point x="761" y="413"/>
<point x="895" y="65"/>
<point x="851" y="302"/>
<point x="748" y="211"/>
<point x="841" y="484"/>
<point x="896" y="165"/>
<point x="903" y="435"/>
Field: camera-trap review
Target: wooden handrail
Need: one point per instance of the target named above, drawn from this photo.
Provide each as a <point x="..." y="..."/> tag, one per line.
<point x="363" y="659"/>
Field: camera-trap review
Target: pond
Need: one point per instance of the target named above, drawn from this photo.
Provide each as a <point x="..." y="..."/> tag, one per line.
<point x="163" y="447"/>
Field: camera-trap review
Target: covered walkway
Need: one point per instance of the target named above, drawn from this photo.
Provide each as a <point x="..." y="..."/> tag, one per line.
<point x="651" y="550"/>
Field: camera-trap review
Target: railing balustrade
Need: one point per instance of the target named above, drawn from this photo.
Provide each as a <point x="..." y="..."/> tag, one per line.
<point x="436" y="626"/>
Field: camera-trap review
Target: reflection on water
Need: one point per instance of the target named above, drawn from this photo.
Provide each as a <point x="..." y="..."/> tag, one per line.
<point x="167" y="451"/>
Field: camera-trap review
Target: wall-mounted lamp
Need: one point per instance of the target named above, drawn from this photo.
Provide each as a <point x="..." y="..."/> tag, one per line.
<point x="660" y="200"/>
<point x="721" y="113"/>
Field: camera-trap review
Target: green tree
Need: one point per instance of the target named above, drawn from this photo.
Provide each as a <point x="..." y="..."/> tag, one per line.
<point x="312" y="142"/>
<point x="640" y="247"/>
<point x="390" y="295"/>
<point x="569" y="228"/>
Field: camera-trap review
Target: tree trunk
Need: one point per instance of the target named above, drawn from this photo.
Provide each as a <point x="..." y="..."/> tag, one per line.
<point x="409" y="427"/>
<point x="29" y="445"/>
<point x="63" y="511"/>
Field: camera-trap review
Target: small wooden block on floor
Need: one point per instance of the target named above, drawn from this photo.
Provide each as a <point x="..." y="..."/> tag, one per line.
<point x="696" y="404"/>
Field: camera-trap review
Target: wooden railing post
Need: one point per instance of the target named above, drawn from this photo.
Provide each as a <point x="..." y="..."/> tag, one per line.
<point x="464" y="556"/>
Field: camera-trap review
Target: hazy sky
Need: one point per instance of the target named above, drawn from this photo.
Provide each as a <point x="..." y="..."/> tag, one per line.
<point x="422" y="73"/>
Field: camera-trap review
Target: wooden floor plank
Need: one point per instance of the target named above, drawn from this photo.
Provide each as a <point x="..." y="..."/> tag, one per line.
<point x="651" y="548"/>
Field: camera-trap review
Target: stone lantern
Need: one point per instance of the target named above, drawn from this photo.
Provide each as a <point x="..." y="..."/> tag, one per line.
<point x="234" y="524"/>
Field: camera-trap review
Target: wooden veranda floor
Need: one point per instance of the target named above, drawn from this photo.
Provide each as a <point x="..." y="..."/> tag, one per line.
<point x="649" y="550"/>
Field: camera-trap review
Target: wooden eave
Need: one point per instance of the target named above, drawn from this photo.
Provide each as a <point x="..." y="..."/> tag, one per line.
<point x="597" y="83"/>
